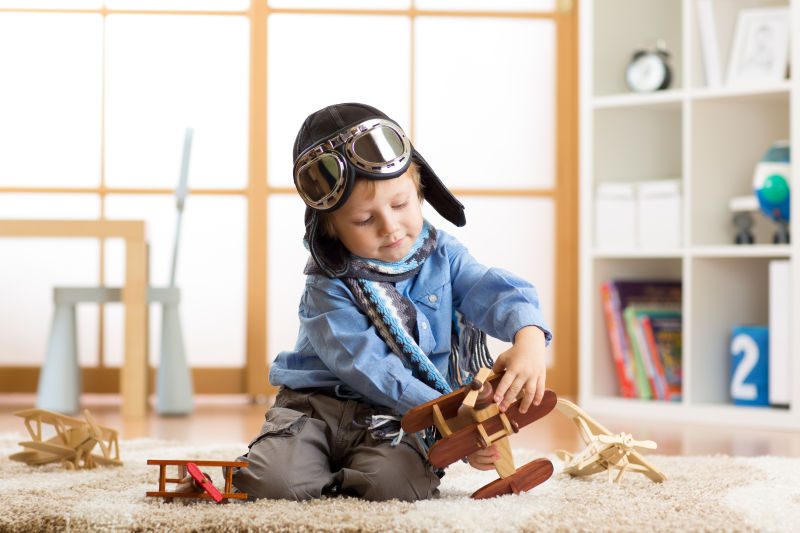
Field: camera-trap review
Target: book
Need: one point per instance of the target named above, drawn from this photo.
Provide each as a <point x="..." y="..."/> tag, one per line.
<point x="642" y="365"/>
<point x="618" y="344"/>
<point x="617" y="295"/>
<point x="708" y="43"/>
<point x="649" y="370"/>
<point x="646" y="319"/>
<point x="667" y="335"/>
<point x="659" y="380"/>
<point x="651" y="293"/>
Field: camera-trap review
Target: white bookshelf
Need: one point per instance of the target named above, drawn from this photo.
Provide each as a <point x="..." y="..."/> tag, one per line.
<point x="711" y="139"/>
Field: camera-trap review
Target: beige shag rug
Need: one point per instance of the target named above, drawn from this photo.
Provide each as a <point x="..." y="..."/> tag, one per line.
<point x="712" y="493"/>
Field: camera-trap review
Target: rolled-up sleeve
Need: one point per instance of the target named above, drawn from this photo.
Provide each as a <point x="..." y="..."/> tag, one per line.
<point x="348" y="344"/>
<point x="497" y="301"/>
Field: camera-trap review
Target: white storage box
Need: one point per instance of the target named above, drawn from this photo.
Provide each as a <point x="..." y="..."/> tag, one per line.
<point x="659" y="209"/>
<point x="615" y="216"/>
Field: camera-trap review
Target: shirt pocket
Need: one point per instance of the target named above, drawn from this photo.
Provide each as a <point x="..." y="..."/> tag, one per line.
<point x="431" y="298"/>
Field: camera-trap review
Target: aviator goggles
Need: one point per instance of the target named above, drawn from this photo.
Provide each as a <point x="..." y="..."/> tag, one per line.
<point x="324" y="174"/>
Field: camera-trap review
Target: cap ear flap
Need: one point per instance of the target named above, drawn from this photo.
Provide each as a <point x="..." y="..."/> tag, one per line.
<point x="328" y="252"/>
<point x="437" y="195"/>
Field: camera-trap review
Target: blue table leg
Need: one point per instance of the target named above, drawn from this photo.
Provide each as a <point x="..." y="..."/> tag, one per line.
<point x="174" y="390"/>
<point x="60" y="378"/>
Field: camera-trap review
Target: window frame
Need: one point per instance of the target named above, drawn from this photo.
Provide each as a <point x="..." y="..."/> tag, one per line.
<point x="251" y="379"/>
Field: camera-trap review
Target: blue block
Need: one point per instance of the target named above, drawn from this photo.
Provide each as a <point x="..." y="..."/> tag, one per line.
<point x="749" y="383"/>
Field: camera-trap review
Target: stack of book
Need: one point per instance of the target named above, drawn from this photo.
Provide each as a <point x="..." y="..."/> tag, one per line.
<point x="643" y="321"/>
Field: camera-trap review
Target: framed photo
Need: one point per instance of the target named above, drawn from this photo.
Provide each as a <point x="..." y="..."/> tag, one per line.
<point x="760" y="51"/>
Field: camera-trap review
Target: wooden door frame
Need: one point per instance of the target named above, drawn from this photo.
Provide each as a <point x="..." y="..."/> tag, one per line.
<point x="563" y="375"/>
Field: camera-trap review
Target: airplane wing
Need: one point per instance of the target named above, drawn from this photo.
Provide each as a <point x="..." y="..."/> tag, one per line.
<point x="61" y="452"/>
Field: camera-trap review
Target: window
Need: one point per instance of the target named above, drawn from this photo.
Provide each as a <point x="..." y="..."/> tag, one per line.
<point x="96" y="130"/>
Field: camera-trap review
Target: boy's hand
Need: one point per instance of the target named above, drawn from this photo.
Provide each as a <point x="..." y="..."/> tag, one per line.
<point x="524" y="364"/>
<point x="484" y="458"/>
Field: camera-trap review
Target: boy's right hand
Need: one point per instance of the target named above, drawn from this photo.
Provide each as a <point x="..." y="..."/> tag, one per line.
<point x="484" y="458"/>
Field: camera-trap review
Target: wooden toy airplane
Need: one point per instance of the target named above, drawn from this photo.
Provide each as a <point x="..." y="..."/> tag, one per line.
<point x="469" y="420"/>
<point x="73" y="443"/>
<point x="604" y="450"/>
<point x="201" y="481"/>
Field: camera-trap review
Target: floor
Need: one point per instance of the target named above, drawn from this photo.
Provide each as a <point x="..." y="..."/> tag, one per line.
<point x="237" y="419"/>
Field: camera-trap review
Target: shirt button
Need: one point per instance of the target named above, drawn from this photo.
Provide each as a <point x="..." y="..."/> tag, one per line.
<point x="424" y="325"/>
<point x="432" y="298"/>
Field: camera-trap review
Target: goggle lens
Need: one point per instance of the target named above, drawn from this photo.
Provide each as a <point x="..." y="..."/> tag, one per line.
<point x="322" y="178"/>
<point x="379" y="145"/>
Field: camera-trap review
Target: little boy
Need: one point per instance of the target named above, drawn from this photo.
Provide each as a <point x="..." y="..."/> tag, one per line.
<point x="377" y="330"/>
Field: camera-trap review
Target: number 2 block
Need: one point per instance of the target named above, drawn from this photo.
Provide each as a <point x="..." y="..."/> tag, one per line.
<point x="750" y="365"/>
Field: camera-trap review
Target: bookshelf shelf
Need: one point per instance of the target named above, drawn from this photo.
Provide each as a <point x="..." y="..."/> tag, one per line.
<point x="697" y="413"/>
<point x="710" y="138"/>
<point x="777" y="91"/>
<point x="638" y="254"/>
<point x="675" y="97"/>
<point x="668" y="98"/>
<point x="756" y="250"/>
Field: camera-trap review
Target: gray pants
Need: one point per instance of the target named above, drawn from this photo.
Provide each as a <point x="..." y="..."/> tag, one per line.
<point x="313" y="445"/>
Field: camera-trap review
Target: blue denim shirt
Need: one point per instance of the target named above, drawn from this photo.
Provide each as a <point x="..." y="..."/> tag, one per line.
<point x="337" y="345"/>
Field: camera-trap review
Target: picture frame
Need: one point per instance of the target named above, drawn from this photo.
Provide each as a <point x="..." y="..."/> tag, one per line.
<point x="760" y="49"/>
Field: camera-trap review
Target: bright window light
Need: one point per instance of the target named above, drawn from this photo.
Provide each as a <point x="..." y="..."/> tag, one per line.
<point x="50" y="99"/>
<point x="166" y="73"/>
<point x="485" y="100"/>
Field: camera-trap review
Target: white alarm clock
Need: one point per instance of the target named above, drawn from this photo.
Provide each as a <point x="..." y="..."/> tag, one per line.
<point x="649" y="70"/>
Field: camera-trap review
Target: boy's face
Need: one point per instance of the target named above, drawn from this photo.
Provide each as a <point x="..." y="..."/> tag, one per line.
<point x="383" y="226"/>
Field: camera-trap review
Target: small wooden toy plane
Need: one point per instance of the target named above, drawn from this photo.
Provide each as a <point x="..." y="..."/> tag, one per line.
<point x="200" y="480"/>
<point x="469" y="420"/>
<point x="604" y="450"/>
<point x="73" y="443"/>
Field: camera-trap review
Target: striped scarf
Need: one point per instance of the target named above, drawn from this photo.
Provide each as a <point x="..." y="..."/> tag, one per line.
<point x="394" y="316"/>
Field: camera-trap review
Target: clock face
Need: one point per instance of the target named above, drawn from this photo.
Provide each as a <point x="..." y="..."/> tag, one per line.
<point x="647" y="73"/>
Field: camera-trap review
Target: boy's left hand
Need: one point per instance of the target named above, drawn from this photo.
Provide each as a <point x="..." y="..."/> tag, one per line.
<point x="525" y="370"/>
<point x="484" y="459"/>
